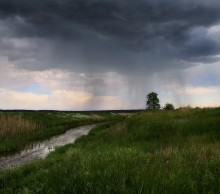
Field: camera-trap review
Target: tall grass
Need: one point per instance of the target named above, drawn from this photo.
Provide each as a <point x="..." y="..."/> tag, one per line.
<point x="10" y="125"/>
<point x="151" y="152"/>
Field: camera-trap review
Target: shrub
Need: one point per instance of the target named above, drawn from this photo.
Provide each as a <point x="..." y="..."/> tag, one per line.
<point x="168" y="106"/>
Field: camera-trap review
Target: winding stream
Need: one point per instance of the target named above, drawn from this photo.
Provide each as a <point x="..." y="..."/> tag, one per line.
<point x="42" y="149"/>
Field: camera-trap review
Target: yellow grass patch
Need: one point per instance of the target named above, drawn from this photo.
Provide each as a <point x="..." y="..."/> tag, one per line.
<point x="15" y="125"/>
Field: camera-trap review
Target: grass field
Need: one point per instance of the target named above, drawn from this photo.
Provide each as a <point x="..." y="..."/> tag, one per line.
<point x="150" y="152"/>
<point x="19" y="129"/>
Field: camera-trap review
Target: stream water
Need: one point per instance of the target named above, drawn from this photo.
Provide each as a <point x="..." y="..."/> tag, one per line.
<point x="41" y="149"/>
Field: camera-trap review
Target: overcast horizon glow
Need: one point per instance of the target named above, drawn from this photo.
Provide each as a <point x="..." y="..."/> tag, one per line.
<point x="108" y="54"/>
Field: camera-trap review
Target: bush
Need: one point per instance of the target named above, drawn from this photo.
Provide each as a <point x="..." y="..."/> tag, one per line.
<point x="168" y="106"/>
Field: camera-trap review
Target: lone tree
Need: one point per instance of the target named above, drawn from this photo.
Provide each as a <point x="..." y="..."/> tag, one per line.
<point x="152" y="101"/>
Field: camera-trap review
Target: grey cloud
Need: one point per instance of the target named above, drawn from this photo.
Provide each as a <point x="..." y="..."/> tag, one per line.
<point x="102" y="35"/>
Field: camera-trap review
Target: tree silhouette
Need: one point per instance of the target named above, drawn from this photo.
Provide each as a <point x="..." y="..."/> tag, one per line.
<point x="152" y="101"/>
<point x="168" y="106"/>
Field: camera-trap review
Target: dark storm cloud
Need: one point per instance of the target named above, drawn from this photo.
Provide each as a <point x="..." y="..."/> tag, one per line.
<point x="105" y="35"/>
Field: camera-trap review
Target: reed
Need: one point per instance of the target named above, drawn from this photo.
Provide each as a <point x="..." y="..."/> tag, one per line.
<point x="12" y="125"/>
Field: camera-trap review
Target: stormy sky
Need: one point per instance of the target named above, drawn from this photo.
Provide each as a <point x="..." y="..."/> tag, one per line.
<point x="108" y="54"/>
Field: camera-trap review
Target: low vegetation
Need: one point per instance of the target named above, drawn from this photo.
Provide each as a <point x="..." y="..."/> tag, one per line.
<point x="151" y="152"/>
<point x="168" y="106"/>
<point x="19" y="129"/>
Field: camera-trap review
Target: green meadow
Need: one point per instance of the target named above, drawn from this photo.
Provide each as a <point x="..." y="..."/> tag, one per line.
<point x="150" y="152"/>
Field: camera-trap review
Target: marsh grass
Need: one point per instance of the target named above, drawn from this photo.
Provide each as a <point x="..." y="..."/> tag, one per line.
<point x="151" y="152"/>
<point x="10" y="125"/>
